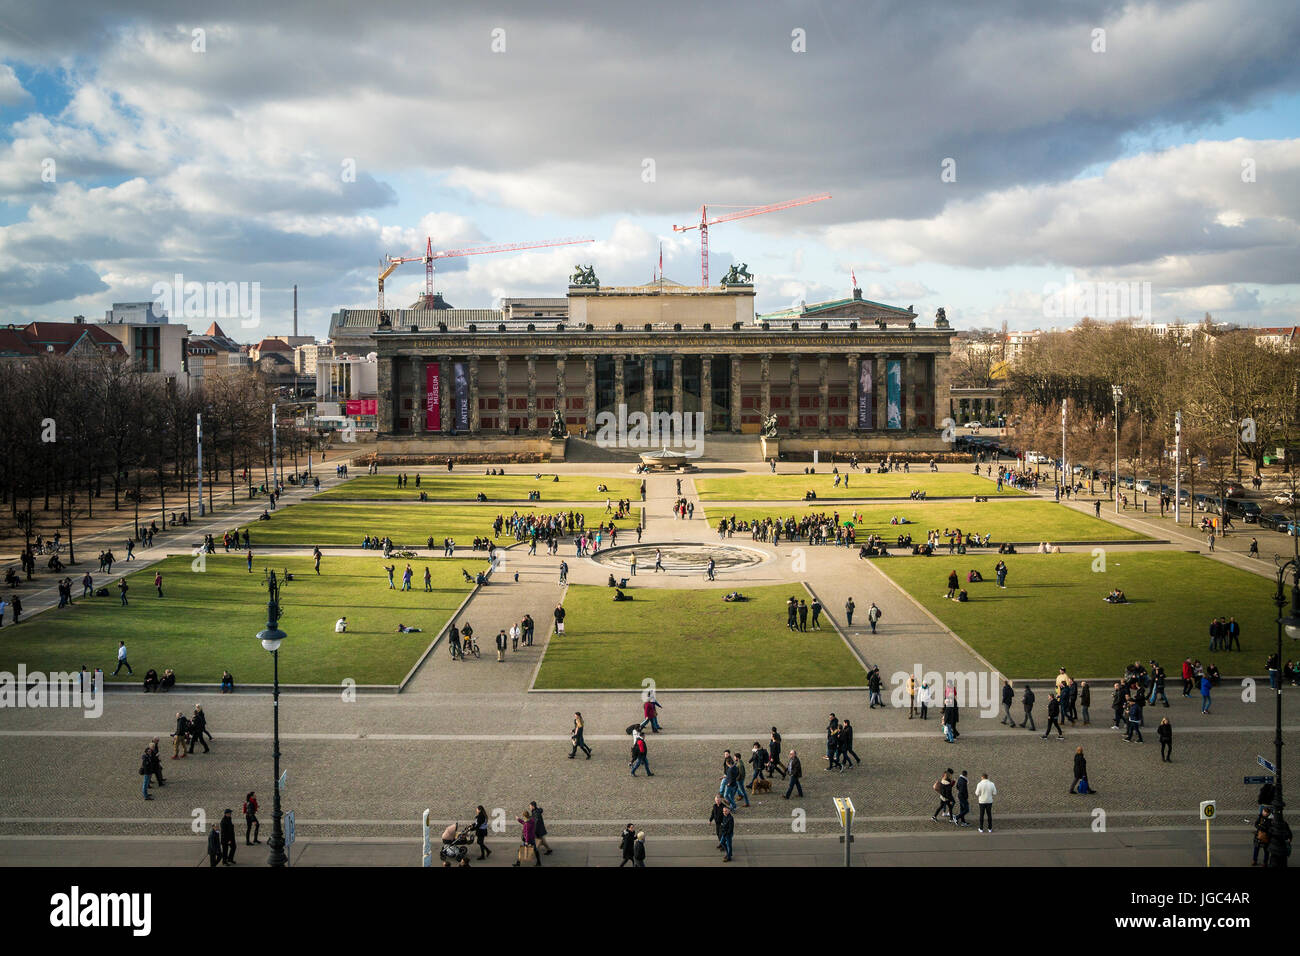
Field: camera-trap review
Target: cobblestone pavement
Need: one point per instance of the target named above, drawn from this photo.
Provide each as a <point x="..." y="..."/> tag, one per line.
<point x="360" y="773"/>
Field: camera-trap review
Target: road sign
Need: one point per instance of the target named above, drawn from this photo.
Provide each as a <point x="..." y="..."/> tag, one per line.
<point x="1207" y="810"/>
<point x="1267" y="765"/>
<point x="288" y="828"/>
<point x="1257" y="781"/>
<point x="844" y="807"/>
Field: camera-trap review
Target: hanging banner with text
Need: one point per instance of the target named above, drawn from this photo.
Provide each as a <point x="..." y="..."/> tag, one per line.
<point x="893" y="393"/>
<point x="432" y="398"/>
<point x="864" y="394"/>
<point x="460" y="396"/>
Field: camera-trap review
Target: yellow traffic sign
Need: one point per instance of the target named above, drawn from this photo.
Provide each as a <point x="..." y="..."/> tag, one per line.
<point x="844" y="807"/>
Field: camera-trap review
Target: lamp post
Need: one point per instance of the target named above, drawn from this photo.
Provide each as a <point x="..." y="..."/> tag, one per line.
<point x="1117" y="393"/>
<point x="271" y="638"/>
<point x="1279" y="832"/>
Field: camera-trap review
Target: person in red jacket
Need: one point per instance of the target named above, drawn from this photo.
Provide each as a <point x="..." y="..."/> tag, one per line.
<point x="529" y="837"/>
<point x="1187" y="677"/>
<point x="251" y="824"/>
<point x="650" y="708"/>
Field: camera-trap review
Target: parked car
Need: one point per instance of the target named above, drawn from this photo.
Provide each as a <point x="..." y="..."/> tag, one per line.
<point x="1271" y="521"/>
<point x="1284" y="498"/>
<point x="1144" y="486"/>
<point x="1248" y="511"/>
<point x="974" y="424"/>
<point x="1036" y="458"/>
<point x="1234" y="489"/>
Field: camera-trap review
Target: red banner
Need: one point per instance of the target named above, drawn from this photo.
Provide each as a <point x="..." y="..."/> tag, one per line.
<point x="361" y="406"/>
<point x="432" y="398"/>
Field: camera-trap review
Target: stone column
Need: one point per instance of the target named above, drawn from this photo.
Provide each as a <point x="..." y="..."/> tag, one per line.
<point x="679" y="392"/>
<point x="942" y="396"/>
<point x="794" y="392"/>
<point x="503" y="395"/>
<point x="823" y="395"/>
<point x="620" y="392"/>
<point x="447" y="399"/>
<point x="909" y="391"/>
<point x="532" y="394"/>
<point x="417" y="373"/>
<point x="475" y="422"/>
<point x="386" y="406"/>
<point x="736" y="394"/>
<point x="765" y="385"/>
<point x="854" y="381"/>
<point x="648" y="367"/>
<point x="561" y="389"/>
<point x="706" y="391"/>
<point x="589" y="390"/>
<point x="881" y="388"/>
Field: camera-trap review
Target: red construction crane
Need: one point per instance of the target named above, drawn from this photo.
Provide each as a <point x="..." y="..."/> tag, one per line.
<point x="742" y="213"/>
<point x="389" y="263"/>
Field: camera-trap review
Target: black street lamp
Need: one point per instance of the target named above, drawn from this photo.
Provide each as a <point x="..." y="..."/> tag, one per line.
<point x="1279" y="832"/>
<point x="271" y="638"/>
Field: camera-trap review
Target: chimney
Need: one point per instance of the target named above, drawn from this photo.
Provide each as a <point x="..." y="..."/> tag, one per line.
<point x="295" y="310"/>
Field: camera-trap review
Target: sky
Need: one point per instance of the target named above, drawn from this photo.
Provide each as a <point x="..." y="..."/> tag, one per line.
<point x="980" y="157"/>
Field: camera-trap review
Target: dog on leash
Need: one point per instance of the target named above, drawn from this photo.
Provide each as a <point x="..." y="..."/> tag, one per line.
<point x="761" y="785"/>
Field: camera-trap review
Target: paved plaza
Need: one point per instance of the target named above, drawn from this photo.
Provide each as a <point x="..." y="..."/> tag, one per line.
<point x="362" y="768"/>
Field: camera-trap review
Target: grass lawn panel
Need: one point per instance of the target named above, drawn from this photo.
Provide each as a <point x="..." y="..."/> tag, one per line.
<point x="346" y="523"/>
<point x="453" y="487"/>
<point x="692" y="638"/>
<point x="891" y="485"/>
<point x="207" y="622"/>
<point x="1005" y="520"/>
<point x="1052" y="613"/>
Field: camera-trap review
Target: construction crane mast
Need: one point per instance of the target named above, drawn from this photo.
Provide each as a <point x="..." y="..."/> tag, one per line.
<point x="741" y="213"/>
<point x="389" y="263"/>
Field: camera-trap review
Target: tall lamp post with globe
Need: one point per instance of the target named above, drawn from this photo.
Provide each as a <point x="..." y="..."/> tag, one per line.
<point x="271" y="637"/>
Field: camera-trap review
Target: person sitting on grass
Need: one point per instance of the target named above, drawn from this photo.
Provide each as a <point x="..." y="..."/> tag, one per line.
<point x="466" y="576"/>
<point x="962" y="596"/>
<point x="734" y="596"/>
<point x="972" y="576"/>
<point x="341" y="626"/>
<point x="620" y="596"/>
<point x="264" y="516"/>
<point x="1116" y="597"/>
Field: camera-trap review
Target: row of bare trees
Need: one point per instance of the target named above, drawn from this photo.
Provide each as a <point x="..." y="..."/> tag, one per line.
<point x="84" y="438"/>
<point x="1238" y="401"/>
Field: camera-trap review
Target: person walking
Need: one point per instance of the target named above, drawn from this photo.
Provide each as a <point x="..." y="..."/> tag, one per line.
<point x="923" y="697"/>
<point x="122" y="588"/>
<point x="1166" y="734"/>
<point x="157" y="582"/>
<point x="527" y="839"/>
<point x="198" y="728"/>
<point x="251" y="824"/>
<point x="1134" y="720"/>
<point x="638" y="849"/>
<point x="1027" y="702"/>
<point x="963" y="799"/>
<point x="943" y="787"/>
<point x="1206" y="686"/>
<point x="728" y="832"/>
<point x="502" y="643"/>
<point x="481" y="832"/>
<point x="640" y="754"/>
<point x="873" y="616"/>
<point x="627" y="844"/>
<point x="795" y="769"/>
<point x="774" y="754"/>
<point x="659" y="560"/>
<point x="121" y="659"/>
<point x="715" y="817"/>
<point x="1053" y="717"/>
<point x="214" y="846"/>
<point x="848" y="756"/>
<point x="816" y="608"/>
<point x="1008" y="697"/>
<point x="848" y="611"/>
<point x="228" y="838"/>
<point x="155" y="759"/>
<point x="146" y="770"/>
<point x="316" y="556"/>
<point x="650" y="709"/>
<point x="1080" y="773"/>
<point x="985" y="791"/>
<point x="575" y="737"/>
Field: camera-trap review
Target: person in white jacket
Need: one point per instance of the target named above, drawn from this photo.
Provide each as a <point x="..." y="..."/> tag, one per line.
<point x="984" y="794"/>
<point x="923" y="698"/>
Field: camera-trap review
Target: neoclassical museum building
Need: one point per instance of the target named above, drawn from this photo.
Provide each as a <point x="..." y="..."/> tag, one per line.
<point x="846" y="375"/>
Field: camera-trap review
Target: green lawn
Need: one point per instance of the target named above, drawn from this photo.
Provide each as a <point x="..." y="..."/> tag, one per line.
<point x="207" y="622"/>
<point x="1005" y="520"/>
<point x="891" y="485"/>
<point x="453" y="487"/>
<point x="692" y="638"/>
<point x="1052" y="612"/>
<point x="343" y="523"/>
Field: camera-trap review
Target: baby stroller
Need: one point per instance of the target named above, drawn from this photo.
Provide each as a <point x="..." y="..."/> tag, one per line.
<point x="455" y="845"/>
